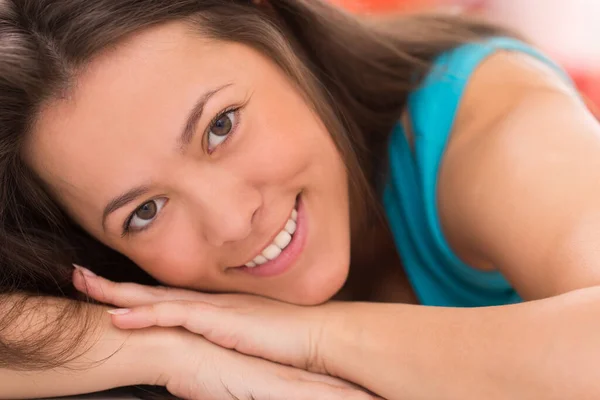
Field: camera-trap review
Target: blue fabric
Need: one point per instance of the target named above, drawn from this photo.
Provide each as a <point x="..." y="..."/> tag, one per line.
<point x="437" y="275"/>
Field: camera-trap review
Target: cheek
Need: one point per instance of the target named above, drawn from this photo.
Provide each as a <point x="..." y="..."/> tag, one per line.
<point x="281" y="159"/>
<point x="174" y="258"/>
<point x="284" y="146"/>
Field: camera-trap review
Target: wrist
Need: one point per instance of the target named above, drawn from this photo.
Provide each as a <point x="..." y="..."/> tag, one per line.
<point x="338" y="338"/>
<point x="133" y="357"/>
<point x="102" y="358"/>
<point x="154" y="353"/>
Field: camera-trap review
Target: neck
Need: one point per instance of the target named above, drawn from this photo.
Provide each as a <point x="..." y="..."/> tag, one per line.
<point x="376" y="273"/>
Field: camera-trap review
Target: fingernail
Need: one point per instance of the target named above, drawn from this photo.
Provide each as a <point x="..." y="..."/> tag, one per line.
<point x="85" y="271"/>
<point x="119" y="311"/>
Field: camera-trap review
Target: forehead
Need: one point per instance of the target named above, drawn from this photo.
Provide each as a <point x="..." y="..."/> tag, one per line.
<point x="122" y="108"/>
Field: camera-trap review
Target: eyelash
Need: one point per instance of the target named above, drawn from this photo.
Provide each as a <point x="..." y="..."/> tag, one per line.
<point x="127" y="224"/>
<point x="236" y="109"/>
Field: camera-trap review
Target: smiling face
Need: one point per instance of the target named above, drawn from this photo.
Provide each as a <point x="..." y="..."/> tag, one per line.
<point x="195" y="157"/>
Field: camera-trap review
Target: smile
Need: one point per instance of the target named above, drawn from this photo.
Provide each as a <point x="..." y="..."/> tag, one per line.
<point x="282" y="252"/>
<point x="279" y="244"/>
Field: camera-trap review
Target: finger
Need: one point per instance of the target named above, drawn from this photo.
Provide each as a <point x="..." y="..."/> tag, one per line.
<point x="220" y="325"/>
<point x="329" y="380"/>
<point x="118" y="294"/>
<point x="318" y="390"/>
<point x="128" y="294"/>
<point x="194" y="316"/>
<point x="337" y="382"/>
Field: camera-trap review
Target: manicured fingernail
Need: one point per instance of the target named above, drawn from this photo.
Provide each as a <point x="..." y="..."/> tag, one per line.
<point x="119" y="311"/>
<point x="85" y="271"/>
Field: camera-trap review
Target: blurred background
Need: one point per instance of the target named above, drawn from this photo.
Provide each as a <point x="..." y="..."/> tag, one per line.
<point x="566" y="30"/>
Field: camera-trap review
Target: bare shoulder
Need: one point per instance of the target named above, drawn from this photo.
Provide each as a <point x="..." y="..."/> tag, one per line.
<point x="523" y="154"/>
<point x="500" y="85"/>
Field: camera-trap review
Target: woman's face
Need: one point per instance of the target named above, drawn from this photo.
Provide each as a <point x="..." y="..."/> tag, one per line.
<point x="194" y="158"/>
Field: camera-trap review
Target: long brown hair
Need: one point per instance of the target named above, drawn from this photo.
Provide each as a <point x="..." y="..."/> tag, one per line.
<point x="355" y="73"/>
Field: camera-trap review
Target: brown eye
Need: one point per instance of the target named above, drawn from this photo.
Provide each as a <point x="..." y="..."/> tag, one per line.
<point x="223" y="125"/>
<point x="221" y="129"/>
<point x="146" y="211"/>
<point x="145" y="215"/>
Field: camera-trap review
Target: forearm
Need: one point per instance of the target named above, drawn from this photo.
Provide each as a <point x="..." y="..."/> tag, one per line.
<point x="105" y="357"/>
<point x="545" y="349"/>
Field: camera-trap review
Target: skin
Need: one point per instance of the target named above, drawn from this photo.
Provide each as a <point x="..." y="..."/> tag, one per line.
<point x="228" y="201"/>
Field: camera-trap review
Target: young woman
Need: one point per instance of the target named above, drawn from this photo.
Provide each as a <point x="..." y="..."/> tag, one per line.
<point x="292" y="154"/>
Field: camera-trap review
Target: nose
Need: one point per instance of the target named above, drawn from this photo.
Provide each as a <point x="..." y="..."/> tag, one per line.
<point x="226" y="206"/>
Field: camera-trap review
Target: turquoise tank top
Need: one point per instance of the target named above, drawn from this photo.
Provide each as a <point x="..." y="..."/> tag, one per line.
<point x="437" y="275"/>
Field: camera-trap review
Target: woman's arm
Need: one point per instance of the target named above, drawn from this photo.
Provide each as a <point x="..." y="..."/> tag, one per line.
<point x="545" y="349"/>
<point x="106" y="357"/>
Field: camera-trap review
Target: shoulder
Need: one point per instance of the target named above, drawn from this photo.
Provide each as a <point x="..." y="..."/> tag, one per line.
<point x="500" y="84"/>
<point x="521" y="167"/>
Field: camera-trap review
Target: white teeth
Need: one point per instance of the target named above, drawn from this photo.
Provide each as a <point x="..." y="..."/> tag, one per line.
<point x="290" y="227"/>
<point x="260" y="260"/>
<point x="283" y="239"/>
<point x="271" y="252"/>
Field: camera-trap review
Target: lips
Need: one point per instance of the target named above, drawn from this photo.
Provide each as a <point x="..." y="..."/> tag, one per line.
<point x="279" y="244"/>
<point x="286" y="246"/>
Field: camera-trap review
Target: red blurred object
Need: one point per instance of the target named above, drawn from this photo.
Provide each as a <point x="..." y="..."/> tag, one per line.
<point x="589" y="85"/>
<point x="386" y="5"/>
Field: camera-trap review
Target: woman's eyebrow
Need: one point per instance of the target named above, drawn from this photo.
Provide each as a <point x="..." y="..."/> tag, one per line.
<point x="121" y="201"/>
<point x="194" y="116"/>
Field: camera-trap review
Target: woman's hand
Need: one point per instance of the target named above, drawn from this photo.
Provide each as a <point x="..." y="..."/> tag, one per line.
<point x="199" y="369"/>
<point x="255" y="326"/>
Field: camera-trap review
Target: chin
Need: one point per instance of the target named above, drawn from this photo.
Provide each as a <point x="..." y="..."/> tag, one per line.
<point x="317" y="289"/>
